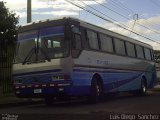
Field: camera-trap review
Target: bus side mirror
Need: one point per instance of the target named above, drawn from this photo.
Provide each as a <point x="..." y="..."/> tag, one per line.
<point x="75" y="30"/>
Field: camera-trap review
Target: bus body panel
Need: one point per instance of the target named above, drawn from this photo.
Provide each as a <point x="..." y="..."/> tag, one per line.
<point x="117" y="72"/>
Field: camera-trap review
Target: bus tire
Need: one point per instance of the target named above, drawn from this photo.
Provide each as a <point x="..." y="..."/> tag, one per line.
<point x="49" y="101"/>
<point x="96" y="91"/>
<point x="143" y="89"/>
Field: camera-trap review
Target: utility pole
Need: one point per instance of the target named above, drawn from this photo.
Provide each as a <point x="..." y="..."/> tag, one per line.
<point x="135" y="18"/>
<point x="29" y="14"/>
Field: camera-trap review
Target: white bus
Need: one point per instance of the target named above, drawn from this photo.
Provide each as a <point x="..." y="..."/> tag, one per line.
<point x="70" y="57"/>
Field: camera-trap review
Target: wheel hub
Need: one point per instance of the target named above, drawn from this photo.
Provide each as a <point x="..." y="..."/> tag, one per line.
<point x="98" y="90"/>
<point x="144" y="89"/>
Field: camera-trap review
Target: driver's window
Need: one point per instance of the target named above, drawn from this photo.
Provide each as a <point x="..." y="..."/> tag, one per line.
<point x="77" y="42"/>
<point x="76" y="45"/>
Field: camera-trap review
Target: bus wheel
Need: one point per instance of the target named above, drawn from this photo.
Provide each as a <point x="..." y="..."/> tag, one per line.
<point x="96" y="91"/>
<point x="49" y="101"/>
<point x="143" y="89"/>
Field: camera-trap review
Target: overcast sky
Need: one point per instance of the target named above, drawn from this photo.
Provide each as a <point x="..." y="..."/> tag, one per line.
<point x="148" y="14"/>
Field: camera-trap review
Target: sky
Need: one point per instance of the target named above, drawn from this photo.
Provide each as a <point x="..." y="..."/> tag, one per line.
<point x="141" y="16"/>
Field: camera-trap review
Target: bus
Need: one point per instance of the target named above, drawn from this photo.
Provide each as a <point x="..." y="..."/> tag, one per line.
<point x="71" y="57"/>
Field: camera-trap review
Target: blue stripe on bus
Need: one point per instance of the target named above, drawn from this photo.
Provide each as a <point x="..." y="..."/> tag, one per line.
<point x="53" y="34"/>
<point x="51" y="30"/>
<point x="28" y="35"/>
<point x="85" y="89"/>
<point x="108" y="81"/>
<point x="120" y="83"/>
<point x="113" y="80"/>
<point x="102" y="71"/>
<point x="43" y="32"/>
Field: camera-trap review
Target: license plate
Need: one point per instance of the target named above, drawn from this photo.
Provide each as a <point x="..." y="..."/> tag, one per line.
<point x="37" y="90"/>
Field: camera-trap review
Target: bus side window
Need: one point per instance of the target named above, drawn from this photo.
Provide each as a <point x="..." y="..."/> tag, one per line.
<point x="84" y="38"/>
<point x="119" y="46"/>
<point x="147" y="53"/>
<point x="130" y="49"/>
<point x="93" y="40"/>
<point x="77" y="42"/>
<point x="152" y="55"/>
<point x="76" y="45"/>
<point x="140" y="53"/>
<point x="106" y="43"/>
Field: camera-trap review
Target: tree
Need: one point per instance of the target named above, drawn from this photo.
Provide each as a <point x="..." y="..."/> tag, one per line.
<point x="8" y="37"/>
<point x="8" y="23"/>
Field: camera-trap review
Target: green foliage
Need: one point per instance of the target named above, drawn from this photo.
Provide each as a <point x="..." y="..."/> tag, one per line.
<point x="8" y="33"/>
<point x="8" y="22"/>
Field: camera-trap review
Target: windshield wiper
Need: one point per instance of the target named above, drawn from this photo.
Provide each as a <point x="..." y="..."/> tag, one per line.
<point x="45" y="55"/>
<point x="29" y="55"/>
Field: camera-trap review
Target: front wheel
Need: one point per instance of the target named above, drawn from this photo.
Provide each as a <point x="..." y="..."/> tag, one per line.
<point x="96" y="91"/>
<point x="143" y="89"/>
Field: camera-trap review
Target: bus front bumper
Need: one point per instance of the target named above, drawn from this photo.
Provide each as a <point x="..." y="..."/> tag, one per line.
<point x="34" y="91"/>
<point x="41" y="91"/>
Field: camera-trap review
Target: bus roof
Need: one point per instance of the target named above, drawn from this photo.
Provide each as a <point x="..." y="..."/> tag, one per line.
<point x="85" y="24"/>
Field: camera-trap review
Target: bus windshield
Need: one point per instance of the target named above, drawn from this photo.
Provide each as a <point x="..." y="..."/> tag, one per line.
<point x="24" y="49"/>
<point x="53" y="47"/>
<point x="33" y="47"/>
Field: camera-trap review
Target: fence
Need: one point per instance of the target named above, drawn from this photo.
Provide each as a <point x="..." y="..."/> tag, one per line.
<point x="6" y="59"/>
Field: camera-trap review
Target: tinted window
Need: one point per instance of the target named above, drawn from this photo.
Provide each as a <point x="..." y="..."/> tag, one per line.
<point x="106" y="43"/>
<point x="130" y="49"/>
<point x="139" y="50"/>
<point x="77" y="41"/>
<point x="53" y="46"/>
<point x="119" y="46"/>
<point x="152" y="55"/>
<point x="93" y="40"/>
<point x="147" y="53"/>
